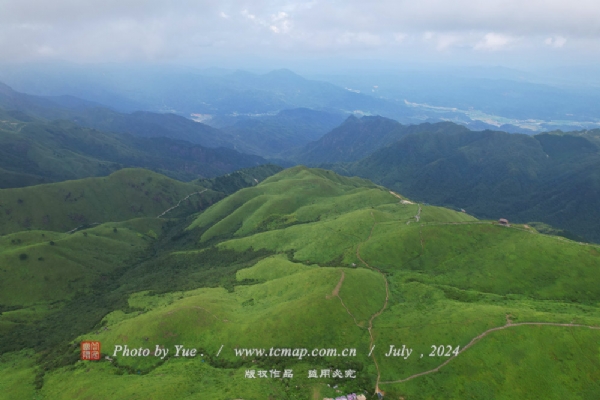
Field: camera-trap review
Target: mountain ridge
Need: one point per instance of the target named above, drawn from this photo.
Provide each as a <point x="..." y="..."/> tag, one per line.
<point x="547" y="177"/>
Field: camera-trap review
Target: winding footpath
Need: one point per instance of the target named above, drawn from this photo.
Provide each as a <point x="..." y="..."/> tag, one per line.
<point x="178" y="204"/>
<point x="377" y="314"/>
<point x="336" y="293"/>
<point x="479" y="337"/>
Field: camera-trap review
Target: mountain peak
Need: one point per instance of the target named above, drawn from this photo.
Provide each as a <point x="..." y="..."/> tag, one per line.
<point x="5" y="89"/>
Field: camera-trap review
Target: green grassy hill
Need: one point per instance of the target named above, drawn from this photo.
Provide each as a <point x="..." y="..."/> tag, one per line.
<point x="310" y="259"/>
<point x="125" y="194"/>
<point x="45" y="266"/>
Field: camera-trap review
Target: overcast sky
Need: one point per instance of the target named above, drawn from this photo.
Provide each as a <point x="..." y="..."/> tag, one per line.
<point x="235" y="33"/>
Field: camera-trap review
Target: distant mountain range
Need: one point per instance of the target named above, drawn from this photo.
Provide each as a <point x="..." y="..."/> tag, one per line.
<point x="504" y="93"/>
<point x="185" y="91"/>
<point x="36" y="151"/>
<point x="357" y="138"/>
<point x="280" y="134"/>
<point x="267" y="136"/>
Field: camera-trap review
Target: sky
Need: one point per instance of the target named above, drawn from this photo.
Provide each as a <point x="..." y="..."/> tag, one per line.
<point x="514" y="33"/>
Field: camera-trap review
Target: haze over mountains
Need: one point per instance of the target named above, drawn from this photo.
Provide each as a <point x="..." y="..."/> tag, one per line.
<point x="502" y="92"/>
<point x="508" y="99"/>
<point x="36" y="151"/>
<point x="188" y="91"/>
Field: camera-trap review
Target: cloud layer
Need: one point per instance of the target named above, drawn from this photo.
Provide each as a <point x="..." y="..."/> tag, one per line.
<point x="150" y="30"/>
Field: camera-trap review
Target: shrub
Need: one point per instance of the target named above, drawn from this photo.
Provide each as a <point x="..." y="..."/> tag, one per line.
<point x="51" y="243"/>
<point x="22" y="256"/>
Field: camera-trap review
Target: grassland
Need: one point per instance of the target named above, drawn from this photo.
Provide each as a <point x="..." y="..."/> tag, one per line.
<point x="124" y="195"/>
<point x="45" y="266"/>
<point x="303" y="260"/>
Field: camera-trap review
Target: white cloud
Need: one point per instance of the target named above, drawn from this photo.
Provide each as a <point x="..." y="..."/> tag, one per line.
<point x="493" y="42"/>
<point x="281" y="23"/>
<point x="557" y="41"/>
<point x="400" y="37"/>
<point x="445" y="41"/>
<point x="247" y="14"/>
<point x="279" y="16"/>
<point x="359" y="38"/>
<point x="89" y="31"/>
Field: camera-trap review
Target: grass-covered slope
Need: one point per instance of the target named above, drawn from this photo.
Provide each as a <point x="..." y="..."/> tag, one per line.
<point x="310" y="259"/>
<point x="125" y="194"/>
<point x="294" y="196"/>
<point x="45" y="266"/>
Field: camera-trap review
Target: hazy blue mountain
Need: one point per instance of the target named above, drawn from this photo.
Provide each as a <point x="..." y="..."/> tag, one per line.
<point x="268" y="136"/>
<point x="51" y="107"/>
<point x="89" y="114"/>
<point x="358" y="137"/>
<point x="37" y="151"/>
<point x="276" y="135"/>
<point x="186" y="90"/>
<point x="147" y="124"/>
<point x="496" y="91"/>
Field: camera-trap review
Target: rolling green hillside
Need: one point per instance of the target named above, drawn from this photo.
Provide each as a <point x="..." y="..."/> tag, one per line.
<point x="46" y="266"/>
<point x="310" y="259"/>
<point x="124" y="195"/>
<point x="551" y="178"/>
